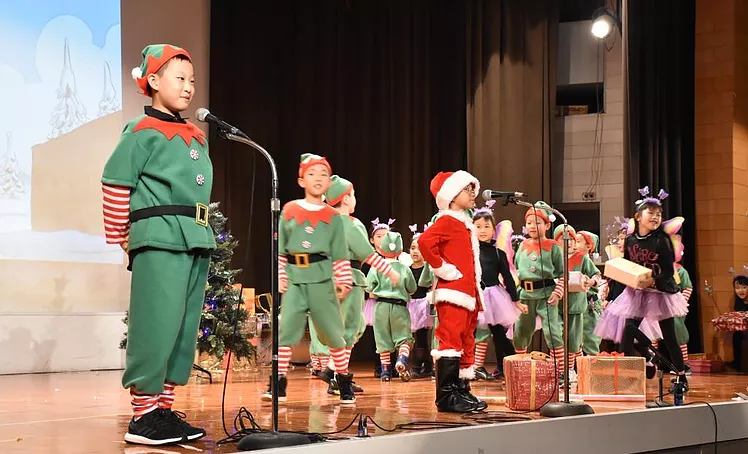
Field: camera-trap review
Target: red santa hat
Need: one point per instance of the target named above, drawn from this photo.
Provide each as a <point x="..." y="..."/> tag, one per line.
<point x="445" y="186"/>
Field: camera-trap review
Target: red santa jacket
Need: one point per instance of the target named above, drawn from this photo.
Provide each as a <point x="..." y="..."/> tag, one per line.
<point x="450" y="246"/>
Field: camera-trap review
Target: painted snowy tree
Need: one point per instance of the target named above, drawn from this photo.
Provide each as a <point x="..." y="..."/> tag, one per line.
<point x="11" y="182"/>
<point x="69" y="112"/>
<point x="108" y="103"/>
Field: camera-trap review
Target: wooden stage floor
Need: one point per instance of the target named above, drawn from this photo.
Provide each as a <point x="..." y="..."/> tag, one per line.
<point x="88" y="412"/>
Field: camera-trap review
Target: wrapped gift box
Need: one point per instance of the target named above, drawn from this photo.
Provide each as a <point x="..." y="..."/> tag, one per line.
<point x="731" y="321"/>
<point x="530" y="381"/>
<point x="575" y="282"/>
<point x="612" y="375"/>
<point x="703" y="363"/>
<point x="626" y="272"/>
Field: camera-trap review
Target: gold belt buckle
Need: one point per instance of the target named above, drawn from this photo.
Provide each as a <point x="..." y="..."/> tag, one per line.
<point x="528" y="286"/>
<point x="201" y="214"/>
<point x="301" y="260"/>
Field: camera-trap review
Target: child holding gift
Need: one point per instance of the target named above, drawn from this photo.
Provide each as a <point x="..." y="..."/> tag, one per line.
<point x="391" y="317"/>
<point x="451" y="248"/>
<point x="500" y="302"/>
<point x="659" y="298"/>
<point x="540" y="263"/>
<point x="587" y="243"/>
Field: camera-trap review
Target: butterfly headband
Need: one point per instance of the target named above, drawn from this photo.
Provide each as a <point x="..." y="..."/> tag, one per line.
<point x="731" y="270"/>
<point x="414" y="230"/>
<point x="486" y="210"/>
<point x="647" y="199"/>
<point x="376" y="225"/>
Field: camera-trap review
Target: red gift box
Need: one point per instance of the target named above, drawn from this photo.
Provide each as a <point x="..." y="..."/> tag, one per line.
<point x="702" y="363"/>
<point x="530" y="381"/>
<point x="731" y="321"/>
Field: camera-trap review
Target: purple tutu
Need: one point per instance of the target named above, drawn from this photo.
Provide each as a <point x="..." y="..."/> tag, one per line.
<point x="651" y="329"/>
<point x="498" y="308"/>
<point x="369" y="311"/>
<point x="649" y="305"/>
<point x="420" y="314"/>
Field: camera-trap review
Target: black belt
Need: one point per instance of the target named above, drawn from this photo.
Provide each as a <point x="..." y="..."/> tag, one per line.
<point x="394" y="301"/>
<point x="198" y="211"/>
<point x="531" y="286"/>
<point x="356" y="264"/>
<point x="303" y="260"/>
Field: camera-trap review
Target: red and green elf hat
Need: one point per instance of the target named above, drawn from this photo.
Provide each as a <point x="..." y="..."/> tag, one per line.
<point x="542" y="210"/>
<point x="591" y="239"/>
<point x="309" y="159"/>
<point x="339" y="188"/>
<point x="155" y="56"/>
<point x="559" y="231"/>
<point x="391" y="246"/>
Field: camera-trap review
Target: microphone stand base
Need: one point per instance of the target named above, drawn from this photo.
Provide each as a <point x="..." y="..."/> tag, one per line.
<point x="564" y="409"/>
<point x="266" y="440"/>
<point x="659" y="403"/>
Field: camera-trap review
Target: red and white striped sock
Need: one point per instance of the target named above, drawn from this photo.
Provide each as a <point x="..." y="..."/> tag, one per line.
<point x="384" y="358"/>
<point x="558" y="357"/>
<point x="404" y="350"/>
<point x="574" y="359"/>
<point x="348" y="356"/>
<point x="315" y="362"/>
<point x="166" y="398"/>
<point x="143" y="404"/>
<point x="480" y="353"/>
<point x="284" y="360"/>
<point x="684" y="351"/>
<point x="520" y="351"/>
<point x="339" y="358"/>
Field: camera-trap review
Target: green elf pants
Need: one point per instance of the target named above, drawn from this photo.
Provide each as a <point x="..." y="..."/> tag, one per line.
<point x="575" y="332"/>
<point x="315" y="346"/>
<point x="482" y="335"/>
<point x="590" y="342"/>
<point x="524" y="328"/>
<point x="166" y="300"/>
<point x="681" y="332"/>
<point x="352" y="310"/>
<point x="391" y="326"/>
<point x="320" y="302"/>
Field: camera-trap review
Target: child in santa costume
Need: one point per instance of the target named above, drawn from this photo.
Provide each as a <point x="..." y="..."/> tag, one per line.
<point x="500" y="302"/>
<point x="392" y="331"/>
<point x="421" y="320"/>
<point x="314" y="274"/>
<point x="157" y="186"/>
<point x="539" y="262"/>
<point x="450" y="247"/>
<point x="587" y="243"/>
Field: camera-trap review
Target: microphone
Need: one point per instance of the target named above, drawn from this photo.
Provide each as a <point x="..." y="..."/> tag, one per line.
<point x="205" y="116"/>
<point x="488" y="194"/>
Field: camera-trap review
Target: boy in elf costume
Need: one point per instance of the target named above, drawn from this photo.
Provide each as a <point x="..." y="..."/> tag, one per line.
<point x="450" y="247"/>
<point x="157" y="186"/>
<point x="587" y="242"/>
<point x="391" y="316"/>
<point x="539" y="262"/>
<point x="314" y="273"/>
<point x="686" y="288"/>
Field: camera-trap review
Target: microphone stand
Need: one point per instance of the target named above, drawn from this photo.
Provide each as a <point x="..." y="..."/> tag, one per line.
<point x="566" y="407"/>
<point x="274" y="438"/>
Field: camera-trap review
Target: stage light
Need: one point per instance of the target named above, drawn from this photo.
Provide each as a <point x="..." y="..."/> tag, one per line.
<point x="603" y="22"/>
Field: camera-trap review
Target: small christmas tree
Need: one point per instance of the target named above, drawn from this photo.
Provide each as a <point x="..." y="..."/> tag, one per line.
<point x="108" y="103"/>
<point x="221" y="308"/>
<point x="11" y="182"/>
<point x="69" y="112"/>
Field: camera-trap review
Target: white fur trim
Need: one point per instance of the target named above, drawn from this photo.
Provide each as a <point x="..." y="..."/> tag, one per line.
<point x="136" y="73"/>
<point x="452" y="187"/>
<point x="455" y="297"/>
<point x="468" y="373"/>
<point x="438" y="354"/>
<point x="447" y="272"/>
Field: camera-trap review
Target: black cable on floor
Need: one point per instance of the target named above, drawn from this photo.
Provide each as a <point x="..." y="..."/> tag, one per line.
<point x="496" y="416"/>
<point x="716" y="424"/>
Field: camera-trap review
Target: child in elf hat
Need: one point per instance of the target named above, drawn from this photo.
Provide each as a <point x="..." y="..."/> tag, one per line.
<point x="157" y="186"/>
<point x="659" y="299"/>
<point x="587" y="243"/>
<point x="539" y="263"/>
<point x="314" y="274"/>
<point x="391" y="317"/>
<point x="686" y="288"/>
<point x="450" y="246"/>
<point x="500" y="302"/>
<point x="579" y="262"/>
<point x="419" y="307"/>
<point x="378" y="230"/>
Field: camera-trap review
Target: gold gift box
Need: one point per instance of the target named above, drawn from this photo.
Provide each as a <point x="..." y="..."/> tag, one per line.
<point x="626" y="272"/>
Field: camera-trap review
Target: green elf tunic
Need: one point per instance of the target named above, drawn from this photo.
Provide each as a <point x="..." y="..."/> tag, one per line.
<point x="161" y="165"/>
<point x="391" y="315"/>
<point x="590" y="342"/>
<point x="686" y="287"/>
<point x="311" y="238"/>
<point x="538" y="266"/>
<point x="578" y="304"/>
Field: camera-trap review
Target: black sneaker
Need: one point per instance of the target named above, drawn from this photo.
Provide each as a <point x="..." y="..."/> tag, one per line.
<point x="267" y="396"/>
<point x="191" y="432"/>
<point x="154" y="429"/>
<point x="482" y="374"/>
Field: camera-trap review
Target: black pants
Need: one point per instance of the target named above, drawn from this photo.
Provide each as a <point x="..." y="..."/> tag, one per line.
<point x="737" y="348"/>
<point x="669" y="341"/>
<point x="502" y="345"/>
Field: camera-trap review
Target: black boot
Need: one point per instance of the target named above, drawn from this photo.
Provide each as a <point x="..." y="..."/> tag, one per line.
<point x="345" y="384"/>
<point x="448" y="395"/>
<point x="464" y="387"/>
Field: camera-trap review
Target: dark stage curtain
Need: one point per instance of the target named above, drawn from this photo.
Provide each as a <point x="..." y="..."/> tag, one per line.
<point x="511" y="91"/>
<point x="661" y="112"/>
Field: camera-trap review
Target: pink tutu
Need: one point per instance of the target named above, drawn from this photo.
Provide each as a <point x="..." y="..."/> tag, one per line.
<point x="649" y="305"/>
<point x="420" y="314"/>
<point x="651" y="329"/>
<point x="498" y="307"/>
<point x="369" y="311"/>
<point x="510" y="329"/>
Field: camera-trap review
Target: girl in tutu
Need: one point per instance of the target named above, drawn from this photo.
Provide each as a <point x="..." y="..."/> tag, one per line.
<point x="500" y="303"/>
<point x="420" y="314"/>
<point x="659" y="298"/>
